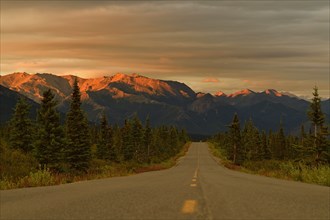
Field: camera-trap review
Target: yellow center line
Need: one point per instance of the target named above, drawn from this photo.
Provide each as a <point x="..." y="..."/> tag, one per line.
<point x="196" y="174"/>
<point x="194" y="180"/>
<point x="193" y="185"/>
<point x="189" y="207"/>
<point x="197" y="168"/>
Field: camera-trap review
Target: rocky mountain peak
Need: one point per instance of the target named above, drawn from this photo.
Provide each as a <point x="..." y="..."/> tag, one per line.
<point x="273" y="92"/>
<point x="243" y="92"/>
<point x="220" y="93"/>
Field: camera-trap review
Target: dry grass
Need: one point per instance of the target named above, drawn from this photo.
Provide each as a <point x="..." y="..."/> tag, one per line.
<point x="278" y="169"/>
<point x="99" y="170"/>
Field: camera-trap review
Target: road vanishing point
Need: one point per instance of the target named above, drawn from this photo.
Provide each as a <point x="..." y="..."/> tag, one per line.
<point x="197" y="188"/>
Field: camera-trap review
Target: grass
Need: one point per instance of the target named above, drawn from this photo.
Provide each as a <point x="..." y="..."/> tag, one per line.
<point x="99" y="169"/>
<point x="165" y="164"/>
<point x="290" y="170"/>
<point x="279" y="169"/>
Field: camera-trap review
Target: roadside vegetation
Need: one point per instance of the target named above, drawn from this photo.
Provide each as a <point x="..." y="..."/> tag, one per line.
<point x="304" y="157"/>
<point x="44" y="152"/>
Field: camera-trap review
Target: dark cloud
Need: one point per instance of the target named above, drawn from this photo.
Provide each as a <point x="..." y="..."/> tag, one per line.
<point x="285" y="42"/>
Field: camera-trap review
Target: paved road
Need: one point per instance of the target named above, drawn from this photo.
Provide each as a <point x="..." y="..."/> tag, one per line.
<point x="198" y="188"/>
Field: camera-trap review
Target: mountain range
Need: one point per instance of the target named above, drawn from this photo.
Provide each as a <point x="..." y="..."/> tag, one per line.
<point x="166" y="102"/>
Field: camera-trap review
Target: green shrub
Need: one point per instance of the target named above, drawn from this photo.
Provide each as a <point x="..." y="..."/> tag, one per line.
<point x="217" y="151"/>
<point x="290" y="170"/>
<point x="280" y="169"/>
<point x="319" y="175"/>
<point x="42" y="177"/>
<point x="27" y="174"/>
<point x="96" y="165"/>
<point x="14" y="164"/>
<point x="269" y="165"/>
<point x="6" y="184"/>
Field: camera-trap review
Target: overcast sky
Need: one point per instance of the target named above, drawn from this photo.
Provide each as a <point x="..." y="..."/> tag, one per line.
<point x="209" y="45"/>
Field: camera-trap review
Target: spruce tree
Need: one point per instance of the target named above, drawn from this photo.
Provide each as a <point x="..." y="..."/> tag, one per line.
<point x="235" y="136"/>
<point x="140" y="152"/>
<point x="315" y="113"/>
<point x="303" y="149"/>
<point x="50" y="137"/>
<point x="251" y="142"/>
<point x="302" y="135"/>
<point x="111" y="150"/>
<point x="184" y="136"/>
<point x="127" y="141"/>
<point x="280" y="151"/>
<point x="321" y="143"/>
<point x="94" y="133"/>
<point x="102" y="148"/>
<point x="105" y="148"/>
<point x="21" y="127"/>
<point x="267" y="154"/>
<point x="174" y="141"/>
<point x="147" y="137"/>
<point x="117" y="143"/>
<point x="154" y="145"/>
<point x="78" y="152"/>
<point x="272" y="143"/>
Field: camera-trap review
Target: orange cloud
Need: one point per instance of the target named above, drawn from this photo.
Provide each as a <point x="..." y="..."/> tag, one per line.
<point x="211" y="80"/>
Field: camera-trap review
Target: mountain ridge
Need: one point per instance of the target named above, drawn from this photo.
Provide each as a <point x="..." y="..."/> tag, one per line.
<point x="8" y="100"/>
<point x="170" y="102"/>
<point x="94" y="84"/>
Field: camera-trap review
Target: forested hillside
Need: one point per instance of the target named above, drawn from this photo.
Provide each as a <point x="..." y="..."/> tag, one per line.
<point x="120" y="96"/>
<point x="42" y="151"/>
<point x="303" y="157"/>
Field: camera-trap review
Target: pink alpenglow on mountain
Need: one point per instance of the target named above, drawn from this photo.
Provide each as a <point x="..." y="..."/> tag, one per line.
<point x="200" y="94"/>
<point x="220" y="93"/>
<point x="169" y="102"/>
<point x="118" y="86"/>
<point x="273" y="92"/>
<point x="242" y="93"/>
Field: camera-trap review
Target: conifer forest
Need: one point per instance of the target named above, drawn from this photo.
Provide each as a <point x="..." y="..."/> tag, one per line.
<point x="45" y="146"/>
<point x="272" y="151"/>
<point x="46" y="151"/>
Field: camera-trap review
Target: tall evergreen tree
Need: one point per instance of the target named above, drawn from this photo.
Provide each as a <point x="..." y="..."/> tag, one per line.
<point x="303" y="149"/>
<point x="112" y="151"/>
<point x="321" y="143"/>
<point x="235" y="135"/>
<point x="184" y="136"/>
<point x="302" y="135"/>
<point x="21" y="135"/>
<point x="94" y="133"/>
<point x="280" y="151"/>
<point x="267" y="154"/>
<point x="105" y="148"/>
<point x="117" y="143"/>
<point x="140" y="152"/>
<point x="147" y="137"/>
<point x="102" y="146"/>
<point x="155" y="144"/>
<point x="315" y="113"/>
<point x="251" y="142"/>
<point x="127" y="141"/>
<point x="174" y="140"/>
<point x="78" y="152"/>
<point x="50" y="137"/>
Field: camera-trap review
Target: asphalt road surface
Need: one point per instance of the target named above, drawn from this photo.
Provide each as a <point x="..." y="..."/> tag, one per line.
<point x="197" y="188"/>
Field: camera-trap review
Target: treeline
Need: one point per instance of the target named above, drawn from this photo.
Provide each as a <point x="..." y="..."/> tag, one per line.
<point x="71" y="147"/>
<point x="250" y="144"/>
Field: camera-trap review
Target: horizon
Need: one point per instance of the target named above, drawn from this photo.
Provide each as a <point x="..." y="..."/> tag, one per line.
<point x="210" y="46"/>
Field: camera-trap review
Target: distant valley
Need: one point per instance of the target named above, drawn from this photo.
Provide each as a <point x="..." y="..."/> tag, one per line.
<point x="166" y="102"/>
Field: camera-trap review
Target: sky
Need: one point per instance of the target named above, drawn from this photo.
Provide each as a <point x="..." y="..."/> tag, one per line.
<point x="208" y="45"/>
